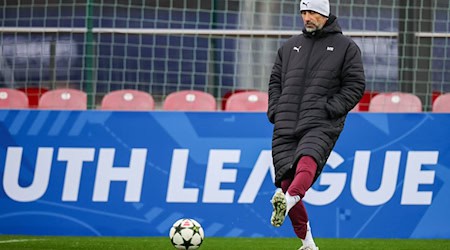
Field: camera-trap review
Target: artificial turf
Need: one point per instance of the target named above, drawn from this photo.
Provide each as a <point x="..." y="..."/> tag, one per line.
<point x="163" y="243"/>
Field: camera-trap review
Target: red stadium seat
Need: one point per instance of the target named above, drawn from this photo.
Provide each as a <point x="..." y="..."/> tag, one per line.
<point x="34" y="94"/>
<point x="127" y="99"/>
<point x="442" y="104"/>
<point x="356" y="108"/>
<point x="231" y="92"/>
<point x="435" y="95"/>
<point x="395" y="102"/>
<point x="63" y="99"/>
<point x="190" y="100"/>
<point x="256" y="101"/>
<point x="365" y="100"/>
<point x="13" y="99"/>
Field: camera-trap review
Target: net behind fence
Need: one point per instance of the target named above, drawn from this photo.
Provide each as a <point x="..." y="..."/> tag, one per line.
<point x="163" y="46"/>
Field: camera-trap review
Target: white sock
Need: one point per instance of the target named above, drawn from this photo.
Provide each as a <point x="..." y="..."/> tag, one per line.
<point x="308" y="241"/>
<point x="291" y="201"/>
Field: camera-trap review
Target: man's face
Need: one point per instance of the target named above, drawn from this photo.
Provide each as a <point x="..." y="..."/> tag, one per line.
<point x="312" y="20"/>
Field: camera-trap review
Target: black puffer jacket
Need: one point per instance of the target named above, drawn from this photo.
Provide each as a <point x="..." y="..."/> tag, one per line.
<point x="316" y="80"/>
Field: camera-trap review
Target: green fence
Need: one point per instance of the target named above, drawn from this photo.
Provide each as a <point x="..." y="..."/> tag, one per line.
<point x="162" y="46"/>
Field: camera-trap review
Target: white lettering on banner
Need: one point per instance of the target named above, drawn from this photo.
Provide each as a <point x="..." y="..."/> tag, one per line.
<point x="176" y="192"/>
<point x="216" y="174"/>
<point x="75" y="158"/>
<point x="336" y="182"/>
<point x="255" y="180"/>
<point x="388" y="180"/>
<point x="132" y="175"/>
<point x="41" y="175"/>
<point x="415" y="176"/>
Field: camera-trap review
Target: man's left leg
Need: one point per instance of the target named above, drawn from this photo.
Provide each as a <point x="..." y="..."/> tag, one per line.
<point x="304" y="176"/>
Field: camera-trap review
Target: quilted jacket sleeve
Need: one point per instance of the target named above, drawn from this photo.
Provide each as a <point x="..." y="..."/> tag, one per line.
<point x="275" y="87"/>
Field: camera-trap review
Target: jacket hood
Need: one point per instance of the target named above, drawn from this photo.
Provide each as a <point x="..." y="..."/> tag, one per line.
<point x="331" y="26"/>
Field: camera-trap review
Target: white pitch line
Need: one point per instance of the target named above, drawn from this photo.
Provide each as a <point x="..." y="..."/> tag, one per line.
<point x="17" y="240"/>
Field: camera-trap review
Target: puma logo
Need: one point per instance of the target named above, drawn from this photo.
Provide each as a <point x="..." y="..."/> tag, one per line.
<point x="297" y="48"/>
<point x="306" y="4"/>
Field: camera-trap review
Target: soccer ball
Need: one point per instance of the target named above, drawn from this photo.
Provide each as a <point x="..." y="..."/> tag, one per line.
<point x="186" y="234"/>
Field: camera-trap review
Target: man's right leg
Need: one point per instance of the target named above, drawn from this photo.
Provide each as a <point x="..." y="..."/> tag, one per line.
<point x="279" y="204"/>
<point x="293" y="190"/>
<point x="304" y="176"/>
<point x="279" y="208"/>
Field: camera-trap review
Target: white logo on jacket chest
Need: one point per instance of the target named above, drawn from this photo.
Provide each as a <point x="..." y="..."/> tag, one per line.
<point x="297" y="48"/>
<point x="329" y="48"/>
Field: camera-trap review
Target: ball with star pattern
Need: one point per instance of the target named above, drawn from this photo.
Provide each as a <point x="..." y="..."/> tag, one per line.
<point x="186" y="234"/>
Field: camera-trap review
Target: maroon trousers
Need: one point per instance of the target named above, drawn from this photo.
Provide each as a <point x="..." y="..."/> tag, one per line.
<point x="302" y="181"/>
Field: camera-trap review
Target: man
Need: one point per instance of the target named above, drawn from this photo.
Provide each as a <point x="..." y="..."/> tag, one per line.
<point x="317" y="78"/>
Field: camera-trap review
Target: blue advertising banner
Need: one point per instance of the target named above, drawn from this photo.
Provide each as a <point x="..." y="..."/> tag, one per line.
<point x="102" y="173"/>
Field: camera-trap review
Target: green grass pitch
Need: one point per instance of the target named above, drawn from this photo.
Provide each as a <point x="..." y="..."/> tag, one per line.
<point x="163" y="243"/>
